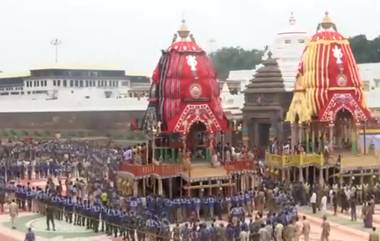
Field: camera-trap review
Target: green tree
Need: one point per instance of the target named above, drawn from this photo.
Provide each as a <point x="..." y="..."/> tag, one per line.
<point x="364" y="50"/>
<point x="234" y="58"/>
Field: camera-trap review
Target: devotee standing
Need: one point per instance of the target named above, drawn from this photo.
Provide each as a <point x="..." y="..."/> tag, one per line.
<point x="325" y="229"/>
<point x="30" y="236"/>
<point x="324" y="204"/>
<point x="313" y="201"/>
<point x="278" y="231"/>
<point x="353" y="208"/>
<point x="13" y="212"/>
<point x="306" y="229"/>
<point x="374" y="236"/>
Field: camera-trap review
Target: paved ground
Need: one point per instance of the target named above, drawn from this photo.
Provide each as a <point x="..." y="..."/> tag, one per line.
<point x="342" y="228"/>
<point x="64" y="231"/>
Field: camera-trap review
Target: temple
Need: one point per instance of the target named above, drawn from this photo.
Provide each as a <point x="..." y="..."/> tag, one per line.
<point x="266" y="102"/>
<point x="186" y="125"/>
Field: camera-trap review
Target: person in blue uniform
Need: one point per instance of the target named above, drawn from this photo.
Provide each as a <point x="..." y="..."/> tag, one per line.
<point x="29" y="170"/>
<point x="141" y="228"/>
<point x="30" y="195"/>
<point x="177" y="208"/>
<point x="50" y="216"/>
<point x="108" y="219"/>
<point x="95" y="215"/>
<point x="211" y="206"/>
<point x="88" y="214"/>
<point x="77" y="211"/>
<point x="69" y="208"/>
<point x="103" y="214"/>
<point x="205" y="206"/>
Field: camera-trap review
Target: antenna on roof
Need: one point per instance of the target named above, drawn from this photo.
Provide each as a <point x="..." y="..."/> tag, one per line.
<point x="56" y="42"/>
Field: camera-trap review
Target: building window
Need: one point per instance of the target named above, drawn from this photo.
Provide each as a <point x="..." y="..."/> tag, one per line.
<point x="71" y="83"/>
<point x="54" y="83"/>
<point x="81" y="83"/>
<point x="288" y="41"/>
<point x="76" y="83"/>
<point x="59" y="82"/>
<point x="64" y="83"/>
<point x="301" y="41"/>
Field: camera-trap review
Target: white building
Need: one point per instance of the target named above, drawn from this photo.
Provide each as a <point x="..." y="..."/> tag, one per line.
<point x="287" y="49"/>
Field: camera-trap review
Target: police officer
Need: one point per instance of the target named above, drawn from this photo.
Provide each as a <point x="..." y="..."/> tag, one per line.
<point x="50" y="216"/>
<point x="69" y="208"/>
<point x="95" y="211"/>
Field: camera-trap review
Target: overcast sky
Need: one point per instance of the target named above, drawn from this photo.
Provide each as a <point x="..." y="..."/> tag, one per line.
<point x="131" y="33"/>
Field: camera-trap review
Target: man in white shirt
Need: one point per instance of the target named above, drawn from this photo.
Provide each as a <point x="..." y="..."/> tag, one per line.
<point x="313" y="202"/>
<point x="244" y="235"/>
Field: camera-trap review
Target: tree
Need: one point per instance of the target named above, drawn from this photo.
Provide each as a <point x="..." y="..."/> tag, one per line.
<point x="364" y="50"/>
<point x="234" y="58"/>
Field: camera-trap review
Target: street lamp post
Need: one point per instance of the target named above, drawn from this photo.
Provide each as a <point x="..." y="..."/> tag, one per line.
<point x="56" y="42"/>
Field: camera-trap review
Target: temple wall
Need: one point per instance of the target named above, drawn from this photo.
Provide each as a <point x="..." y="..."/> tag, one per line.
<point x="70" y="120"/>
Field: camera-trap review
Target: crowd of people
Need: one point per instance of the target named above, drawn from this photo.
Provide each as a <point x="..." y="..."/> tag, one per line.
<point x="86" y="195"/>
<point x="81" y="189"/>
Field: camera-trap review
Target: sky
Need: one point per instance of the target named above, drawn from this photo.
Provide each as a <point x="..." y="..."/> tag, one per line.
<point x="131" y="33"/>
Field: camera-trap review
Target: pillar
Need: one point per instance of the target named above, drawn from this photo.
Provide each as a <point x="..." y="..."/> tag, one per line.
<point x="283" y="178"/>
<point x="307" y="174"/>
<point x="293" y="135"/>
<point x="288" y="175"/>
<point x="314" y="175"/>
<point x="321" y="181"/>
<point x="351" y="178"/>
<point x="181" y="187"/>
<point x="230" y="186"/>
<point x="144" y="186"/>
<point x="171" y="188"/>
<point x="312" y="129"/>
<point x="307" y="130"/>
<point x="160" y="189"/>
<point x="362" y="177"/>
<point x="135" y="188"/>
<point x="327" y="175"/>
<point x="210" y="188"/>
<point x="300" y="133"/>
<point x="354" y="138"/>
<point x="242" y="182"/>
<point x="300" y="173"/>
<point x="317" y="136"/>
<point x="331" y="136"/>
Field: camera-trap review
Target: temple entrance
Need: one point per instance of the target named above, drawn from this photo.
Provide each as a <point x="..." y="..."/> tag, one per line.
<point x="263" y="131"/>
<point x="344" y="129"/>
<point x="197" y="142"/>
